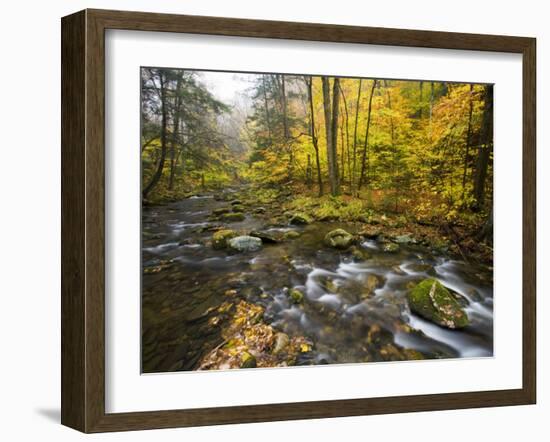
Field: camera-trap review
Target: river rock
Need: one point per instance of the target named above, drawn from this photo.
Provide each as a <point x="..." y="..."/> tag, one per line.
<point x="371" y="284"/>
<point x="220" y="238"/>
<point x="359" y="254"/>
<point x="245" y="243"/>
<point x="338" y="239"/>
<point x="475" y="295"/>
<point x="221" y="210"/>
<point x="431" y="300"/>
<point x="291" y="234"/>
<point x="238" y="208"/>
<point x="421" y="267"/>
<point x="390" y="247"/>
<point x="281" y="343"/>
<point x="296" y="296"/>
<point x="404" y="239"/>
<point x="371" y="232"/>
<point x="300" y="219"/>
<point x="248" y="360"/>
<point x="266" y="237"/>
<point x="232" y="217"/>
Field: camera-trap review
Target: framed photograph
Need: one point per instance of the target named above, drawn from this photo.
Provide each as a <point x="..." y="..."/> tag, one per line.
<point x="267" y="220"/>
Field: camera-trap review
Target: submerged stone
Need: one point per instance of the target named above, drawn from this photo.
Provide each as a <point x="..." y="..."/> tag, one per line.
<point x="338" y="239"/>
<point x="359" y="254"/>
<point x="245" y="243"/>
<point x="291" y="234"/>
<point x="431" y="300"/>
<point x="233" y="217"/>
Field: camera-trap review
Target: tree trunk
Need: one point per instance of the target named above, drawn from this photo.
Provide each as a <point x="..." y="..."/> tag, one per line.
<point x="394" y="162"/>
<point x="175" y="129"/>
<point x="485" y="148"/>
<point x="309" y="82"/>
<point x="328" y="130"/>
<point x="366" y="142"/>
<point x="486" y="232"/>
<point x="354" y="165"/>
<point x="266" y="105"/>
<point x="468" y="141"/>
<point x="431" y="109"/>
<point x="345" y="138"/>
<point x="286" y="131"/>
<point x="158" y="173"/>
<point x="421" y="98"/>
<point x="309" y="180"/>
<point x="334" y="133"/>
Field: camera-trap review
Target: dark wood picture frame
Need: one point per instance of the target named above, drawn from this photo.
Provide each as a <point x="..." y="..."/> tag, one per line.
<point x="83" y="220"/>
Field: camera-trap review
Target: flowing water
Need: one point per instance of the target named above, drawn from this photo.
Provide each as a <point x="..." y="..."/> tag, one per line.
<point x="184" y="279"/>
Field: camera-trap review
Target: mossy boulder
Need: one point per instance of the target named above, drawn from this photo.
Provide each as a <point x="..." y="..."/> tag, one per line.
<point x="300" y="219"/>
<point x="431" y="300"/>
<point x="296" y="296"/>
<point x="238" y="208"/>
<point x="339" y="239"/>
<point x="266" y="237"/>
<point x="220" y="238"/>
<point x="245" y="243"/>
<point x="232" y="217"/>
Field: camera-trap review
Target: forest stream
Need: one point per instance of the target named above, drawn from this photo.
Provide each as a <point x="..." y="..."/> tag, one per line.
<point x="186" y="281"/>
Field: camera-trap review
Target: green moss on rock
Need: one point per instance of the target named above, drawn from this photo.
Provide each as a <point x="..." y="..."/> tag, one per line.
<point x="220" y="238"/>
<point x="233" y="217"/>
<point x="431" y="300"/>
<point x="248" y="360"/>
<point x="296" y="296"/>
<point x="390" y="247"/>
<point x="300" y="219"/>
<point x="338" y="239"/>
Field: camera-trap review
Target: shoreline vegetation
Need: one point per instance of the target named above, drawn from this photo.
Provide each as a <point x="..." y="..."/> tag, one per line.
<point x="368" y="172"/>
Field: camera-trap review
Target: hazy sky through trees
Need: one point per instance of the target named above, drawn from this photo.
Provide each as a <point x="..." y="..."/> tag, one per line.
<point x="226" y="85"/>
